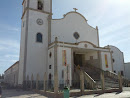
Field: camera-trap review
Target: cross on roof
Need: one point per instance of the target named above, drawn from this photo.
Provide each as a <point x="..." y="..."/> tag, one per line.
<point x="75" y="9"/>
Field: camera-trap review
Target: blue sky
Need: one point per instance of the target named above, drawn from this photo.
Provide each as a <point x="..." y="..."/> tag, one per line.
<point x="111" y="16"/>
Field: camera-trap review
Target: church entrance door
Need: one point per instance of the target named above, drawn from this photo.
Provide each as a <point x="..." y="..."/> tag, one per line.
<point x="78" y="59"/>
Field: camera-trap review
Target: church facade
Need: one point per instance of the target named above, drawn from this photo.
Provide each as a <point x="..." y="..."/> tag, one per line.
<point x="54" y="47"/>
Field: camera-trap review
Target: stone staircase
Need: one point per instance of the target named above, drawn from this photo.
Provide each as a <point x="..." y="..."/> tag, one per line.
<point x="94" y="73"/>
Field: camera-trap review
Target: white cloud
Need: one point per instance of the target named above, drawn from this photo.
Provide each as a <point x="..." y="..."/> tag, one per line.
<point x="12" y="56"/>
<point x="6" y="44"/>
<point x="121" y="41"/>
<point x="10" y="28"/>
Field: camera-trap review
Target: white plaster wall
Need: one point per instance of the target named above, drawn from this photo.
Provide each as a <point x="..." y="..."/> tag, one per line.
<point x="127" y="70"/>
<point x="93" y="53"/>
<point x="37" y="53"/>
<point x="108" y="59"/>
<point x="73" y="22"/>
<point x="60" y="65"/>
<point x="117" y="55"/>
<point x="22" y="48"/>
<point x="33" y="4"/>
<point x="50" y="62"/>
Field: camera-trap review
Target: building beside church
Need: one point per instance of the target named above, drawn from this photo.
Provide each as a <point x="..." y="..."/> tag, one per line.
<point x="54" y="47"/>
<point x="127" y="70"/>
<point x="117" y="59"/>
<point x="11" y="75"/>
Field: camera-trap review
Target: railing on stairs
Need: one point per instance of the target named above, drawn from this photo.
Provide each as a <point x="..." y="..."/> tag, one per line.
<point x="115" y="76"/>
<point x="111" y="74"/>
<point x="89" y="80"/>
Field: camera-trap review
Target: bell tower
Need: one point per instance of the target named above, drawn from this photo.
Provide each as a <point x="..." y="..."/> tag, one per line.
<point x="35" y="37"/>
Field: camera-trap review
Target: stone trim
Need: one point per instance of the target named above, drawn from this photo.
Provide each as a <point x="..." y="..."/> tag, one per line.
<point x="72" y="63"/>
<point x="79" y="43"/>
<point x="111" y="61"/>
<point x="23" y="2"/>
<point x="26" y="41"/>
<point x="100" y="58"/>
<point x="76" y="13"/>
<point x="69" y="13"/>
<point x="35" y="10"/>
<point x="51" y="6"/>
<point x="49" y="24"/>
<point x="55" y="67"/>
<point x="115" y="47"/>
<point x="49" y="29"/>
<point x="98" y="36"/>
<point x="75" y="46"/>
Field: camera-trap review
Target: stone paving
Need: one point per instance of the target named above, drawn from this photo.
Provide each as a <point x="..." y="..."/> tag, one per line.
<point x="20" y="94"/>
<point x="124" y="94"/>
<point x="29" y="94"/>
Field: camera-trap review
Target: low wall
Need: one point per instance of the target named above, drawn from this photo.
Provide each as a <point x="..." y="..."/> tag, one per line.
<point x="77" y="94"/>
<point x="94" y="92"/>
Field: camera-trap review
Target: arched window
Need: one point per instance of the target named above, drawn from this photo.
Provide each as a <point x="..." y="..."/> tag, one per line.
<point x="40" y="5"/>
<point x="39" y="37"/>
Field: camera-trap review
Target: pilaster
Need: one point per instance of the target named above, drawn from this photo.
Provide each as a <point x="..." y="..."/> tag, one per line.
<point x="55" y="68"/>
<point x="102" y="80"/>
<point x="81" y="81"/>
<point x="120" y="80"/>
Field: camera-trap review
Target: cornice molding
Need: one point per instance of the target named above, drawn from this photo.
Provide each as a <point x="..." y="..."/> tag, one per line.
<point x="34" y="10"/>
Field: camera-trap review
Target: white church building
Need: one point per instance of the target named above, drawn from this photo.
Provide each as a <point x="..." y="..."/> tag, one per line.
<point x="54" y="47"/>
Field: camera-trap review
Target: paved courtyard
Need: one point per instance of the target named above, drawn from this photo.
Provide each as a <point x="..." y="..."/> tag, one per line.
<point x="29" y="94"/>
<point x="20" y="94"/>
